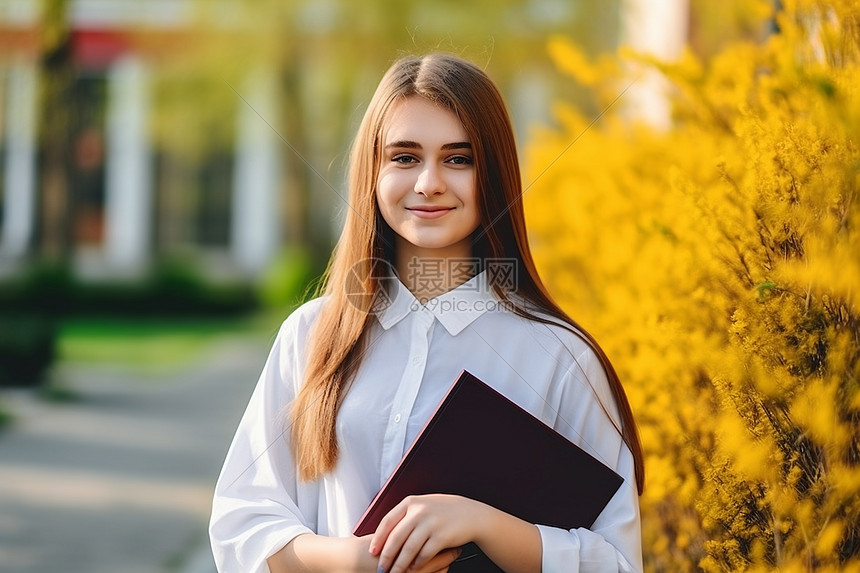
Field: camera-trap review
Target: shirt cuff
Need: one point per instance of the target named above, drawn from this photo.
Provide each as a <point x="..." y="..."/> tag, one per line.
<point x="578" y="551"/>
<point x="250" y="554"/>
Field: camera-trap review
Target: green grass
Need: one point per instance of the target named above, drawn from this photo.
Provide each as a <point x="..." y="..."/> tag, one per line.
<point x="151" y="344"/>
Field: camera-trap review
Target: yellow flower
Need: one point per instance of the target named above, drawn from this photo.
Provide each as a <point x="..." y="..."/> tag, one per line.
<point x="717" y="265"/>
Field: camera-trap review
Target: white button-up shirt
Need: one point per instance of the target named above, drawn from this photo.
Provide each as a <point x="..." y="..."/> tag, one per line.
<point x="414" y="354"/>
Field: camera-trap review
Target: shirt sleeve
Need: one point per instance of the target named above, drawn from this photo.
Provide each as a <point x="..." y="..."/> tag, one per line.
<point x="255" y="509"/>
<point x="614" y="542"/>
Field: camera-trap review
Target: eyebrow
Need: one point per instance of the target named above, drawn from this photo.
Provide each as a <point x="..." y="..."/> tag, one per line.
<point x="416" y="145"/>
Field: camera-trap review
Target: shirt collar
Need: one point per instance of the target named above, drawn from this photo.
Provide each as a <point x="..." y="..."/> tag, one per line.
<point x="455" y="309"/>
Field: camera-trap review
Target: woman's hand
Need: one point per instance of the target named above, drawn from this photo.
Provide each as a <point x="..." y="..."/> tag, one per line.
<point x="366" y="561"/>
<point x="310" y="553"/>
<point x="420" y="528"/>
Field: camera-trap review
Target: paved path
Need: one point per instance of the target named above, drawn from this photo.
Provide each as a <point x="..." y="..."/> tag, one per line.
<point x="120" y="479"/>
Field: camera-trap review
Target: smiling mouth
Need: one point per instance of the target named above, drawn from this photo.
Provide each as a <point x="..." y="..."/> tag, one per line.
<point x="429" y="212"/>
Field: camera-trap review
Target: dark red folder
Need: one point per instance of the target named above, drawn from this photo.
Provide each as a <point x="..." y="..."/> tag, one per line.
<point x="481" y="445"/>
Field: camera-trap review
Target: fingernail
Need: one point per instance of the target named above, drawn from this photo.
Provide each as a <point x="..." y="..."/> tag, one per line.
<point x="380" y="569"/>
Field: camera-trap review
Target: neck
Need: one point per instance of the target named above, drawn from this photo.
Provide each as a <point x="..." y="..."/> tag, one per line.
<point x="428" y="273"/>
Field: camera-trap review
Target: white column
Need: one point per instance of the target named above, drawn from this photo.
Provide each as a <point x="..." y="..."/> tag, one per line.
<point x="530" y="101"/>
<point x="20" y="174"/>
<point x="255" y="230"/>
<point x="658" y="28"/>
<point x="128" y="171"/>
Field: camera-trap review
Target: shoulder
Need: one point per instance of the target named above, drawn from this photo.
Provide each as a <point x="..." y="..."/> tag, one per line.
<point x="579" y="370"/>
<point x="300" y="320"/>
<point x="557" y="337"/>
<point x="284" y="369"/>
<point x="291" y="342"/>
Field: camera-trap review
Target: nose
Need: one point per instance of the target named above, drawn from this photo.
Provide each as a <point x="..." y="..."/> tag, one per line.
<point x="430" y="181"/>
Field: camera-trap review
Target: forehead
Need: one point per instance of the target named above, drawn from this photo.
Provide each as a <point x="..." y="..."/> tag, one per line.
<point x="419" y="120"/>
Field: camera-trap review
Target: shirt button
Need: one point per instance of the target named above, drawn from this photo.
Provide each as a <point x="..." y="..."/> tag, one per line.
<point x="397" y="419"/>
<point x="416" y="360"/>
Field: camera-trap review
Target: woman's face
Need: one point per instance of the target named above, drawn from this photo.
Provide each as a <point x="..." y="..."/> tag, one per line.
<point x="426" y="188"/>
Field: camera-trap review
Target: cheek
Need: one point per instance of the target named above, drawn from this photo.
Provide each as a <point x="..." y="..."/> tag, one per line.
<point x="473" y="199"/>
<point x="385" y="200"/>
<point x="386" y="188"/>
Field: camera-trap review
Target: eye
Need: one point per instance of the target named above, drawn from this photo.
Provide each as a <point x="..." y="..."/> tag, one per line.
<point x="460" y="160"/>
<point x="404" y="159"/>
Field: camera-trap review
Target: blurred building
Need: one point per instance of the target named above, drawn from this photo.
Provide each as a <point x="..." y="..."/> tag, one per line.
<point x="90" y="184"/>
<point x="124" y="198"/>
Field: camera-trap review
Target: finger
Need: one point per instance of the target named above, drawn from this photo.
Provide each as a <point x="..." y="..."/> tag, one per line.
<point x="440" y="562"/>
<point x="409" y="550"/>
<point x="451" y="554"/>
<point x="394" y="543"/>
<point x="429" y="552"/>
<point x="386" y="525"/>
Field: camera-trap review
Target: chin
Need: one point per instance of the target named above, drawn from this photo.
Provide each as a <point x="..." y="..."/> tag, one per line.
<point x="433" y="243"/>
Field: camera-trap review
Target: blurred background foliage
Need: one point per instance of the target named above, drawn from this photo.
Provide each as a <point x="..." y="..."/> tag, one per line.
<point x="719" y="263"/>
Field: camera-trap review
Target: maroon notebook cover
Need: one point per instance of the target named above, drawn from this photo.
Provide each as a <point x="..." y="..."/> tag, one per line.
<point x="481" y="445"/>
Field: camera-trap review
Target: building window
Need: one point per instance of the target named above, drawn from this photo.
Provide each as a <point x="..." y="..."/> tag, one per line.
<point x="193" y="201"/>
<point x="215" y="177"/>
<point x="4" y="143"/>
<point x="87" y="155"/>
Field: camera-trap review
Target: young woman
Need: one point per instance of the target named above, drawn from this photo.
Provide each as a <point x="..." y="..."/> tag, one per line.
<point x="431" y="275"/>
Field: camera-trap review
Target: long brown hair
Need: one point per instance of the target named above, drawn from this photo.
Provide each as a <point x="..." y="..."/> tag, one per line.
<point x="339" y="333"/>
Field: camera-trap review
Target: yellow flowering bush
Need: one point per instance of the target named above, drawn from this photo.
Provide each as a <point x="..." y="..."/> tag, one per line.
<point x="718" y="263"/>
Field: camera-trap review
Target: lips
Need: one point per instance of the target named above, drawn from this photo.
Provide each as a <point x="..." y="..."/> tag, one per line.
<point x="429" y="211"/>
